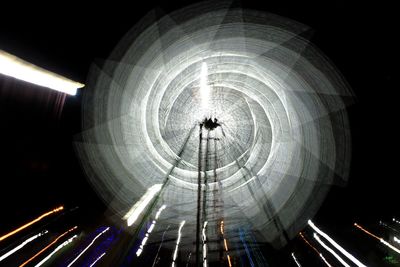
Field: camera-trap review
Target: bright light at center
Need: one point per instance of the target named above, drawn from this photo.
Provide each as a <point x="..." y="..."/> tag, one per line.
<point x="204" y="89"/>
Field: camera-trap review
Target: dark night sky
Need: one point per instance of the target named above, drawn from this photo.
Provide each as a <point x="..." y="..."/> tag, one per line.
<point x="39" y="168"/>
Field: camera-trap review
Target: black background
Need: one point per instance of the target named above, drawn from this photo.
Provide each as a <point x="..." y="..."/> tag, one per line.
<point x="39" y="168"/>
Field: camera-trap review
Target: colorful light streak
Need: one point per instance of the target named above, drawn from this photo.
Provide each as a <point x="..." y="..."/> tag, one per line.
<point x="178" y="240"/>
<point x="88" y="246"/>
<point x="331" y="251"/>
<point x="30" y="223"/>
<point x="65" y="243"/>
<point x="48" y="246"/>
<point x="336" y="245"/>
<point x="378" y="238"/>
<point x="141" y="247"/>
<point x="316" y="250"/>
<point x="12" y="251"/>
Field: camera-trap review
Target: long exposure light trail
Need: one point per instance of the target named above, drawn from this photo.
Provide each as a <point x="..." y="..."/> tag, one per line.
<point x="141" y="247"/>
<point x="336" y="245"/>
<point x="396" y="239"/>
<point x="31" y="222"/>
<point x="331" y="251"/>
<point x="15" y="67"/>
<point x="141" y="204"/>
<point x="315" y="249"/>
<point x="48" y="246"/>
<point x="204" y="244"/>
<point x="225" y="244"/>
<point x="65" y="243"/>
<point x="99" y="258"/>
<point x="88" y="246"/>
<point x="178" y="240"/>
<point x="378" y="238"/>
<point x="295" y="260"/>
<point x="12" y="251"/>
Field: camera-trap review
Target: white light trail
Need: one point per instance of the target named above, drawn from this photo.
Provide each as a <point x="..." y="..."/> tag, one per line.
<point x="15" y="67"/>
<point x="142" y="203"/>
<point x="12" y="251"/>
<point x="295" y="260"/>
<point x="153" y="224"/>
<point x="101" y="256"/>
<point x="336" y="245"/>
<point x="204" y="244"/>
<point x="396" y="240"/>
<point x="390" y="246"/>
<point x="178" y="240"/>
<point x="88" y="246"/>
<point x="55" y="251"/>
<point x="331" y="251"/>
<point x="324" y="260"/>
<point x="160" y="210"/>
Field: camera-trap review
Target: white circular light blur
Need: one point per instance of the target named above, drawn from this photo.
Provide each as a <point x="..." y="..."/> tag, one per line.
<point x="283" y="139"/>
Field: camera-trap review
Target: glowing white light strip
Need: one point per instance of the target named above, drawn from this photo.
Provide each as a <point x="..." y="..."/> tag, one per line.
<point x="160" y="210"/>
<point x="390" y="246"/>
<point x="330" y="250"/>
<point x="326" y="262"/>
<point x="21" y="245"/>
<point x="15" y="67"/>
<point x="142" y="203"/>
<point x="295" y="260"/>
<point x="88" y="246"/>
<point x="55" y="251"/>
<point x="101" y="256"/>
<point x="396" y="240"/>
<point x="204" y="244"/>
<point x="141" y="247"/>
<point x="178" y="240"/>
<point x="336" y="245"/>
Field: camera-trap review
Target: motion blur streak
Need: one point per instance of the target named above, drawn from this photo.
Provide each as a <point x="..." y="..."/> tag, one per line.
<point x="316" y="250"/>
<point x="367" y="232"/>
<point x="31" y="222"/>
<point x="379" y="238"/>
<point x="139" y="206"/>
<point x="22" y="245"/>
<point x="204" y="244"/>
<point x="55" y="251"/>
<point x="336" y="245"/>
<point x="295" y="260"/>
<point x="101" y="256"/>
<point x="178" y="240"/>
<point x="88" y="246"/>
<point x="15" y="67"/>
<point x="49" y="245"/>
<point x="141" y="247"/>
<point x="330" y="250"/>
